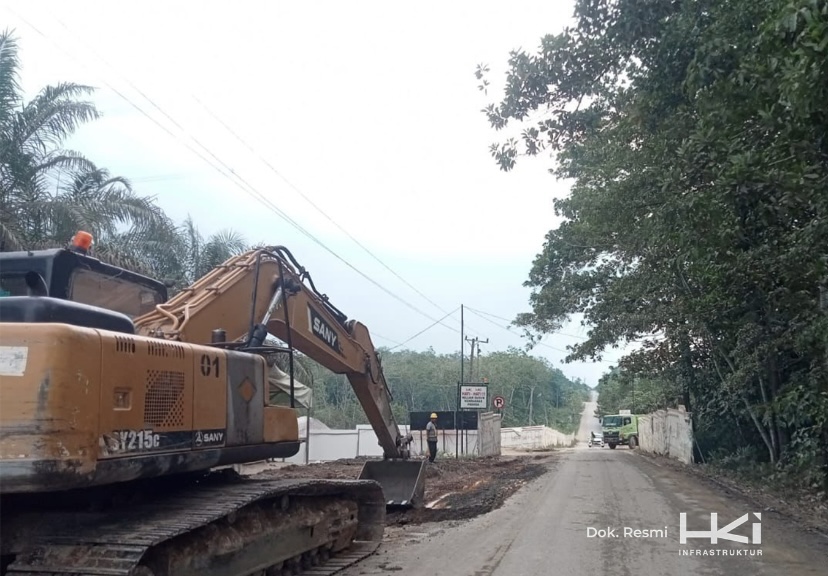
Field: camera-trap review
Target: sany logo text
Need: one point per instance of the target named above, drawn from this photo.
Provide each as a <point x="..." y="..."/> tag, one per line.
<point x="715" y="533"/>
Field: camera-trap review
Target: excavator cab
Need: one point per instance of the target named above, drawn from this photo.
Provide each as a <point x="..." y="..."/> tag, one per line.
<point x="68" y="286"/>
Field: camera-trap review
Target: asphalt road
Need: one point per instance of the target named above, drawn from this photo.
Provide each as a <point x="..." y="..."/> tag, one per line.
<point x="545" y="528"/>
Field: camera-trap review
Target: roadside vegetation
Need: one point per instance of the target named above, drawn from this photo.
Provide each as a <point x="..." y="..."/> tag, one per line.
<point x="48" y="192"/>
<point x="695" y="137"/>
<point x="624" y="390"/>
<point x="536" y="393"/>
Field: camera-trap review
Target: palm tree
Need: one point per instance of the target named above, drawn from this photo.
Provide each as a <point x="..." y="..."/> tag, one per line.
<point x="194" y="256"/>
<point x="47" y="192"/>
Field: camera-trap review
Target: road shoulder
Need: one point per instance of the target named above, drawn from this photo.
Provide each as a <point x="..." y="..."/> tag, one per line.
<point x="813" y="519"/>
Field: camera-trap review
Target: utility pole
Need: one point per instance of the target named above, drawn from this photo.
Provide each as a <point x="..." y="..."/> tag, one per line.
<point x="459" y="383"/>
<point x="486" y="341"/>
<point x="475" y="342"/>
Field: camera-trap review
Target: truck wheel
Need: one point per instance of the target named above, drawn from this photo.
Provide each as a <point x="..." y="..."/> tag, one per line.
<point x="612" y="446"/>
<point x="633" y="442"/>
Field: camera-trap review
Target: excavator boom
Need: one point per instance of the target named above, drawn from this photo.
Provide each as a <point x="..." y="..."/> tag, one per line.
<point x="266" y="292"/>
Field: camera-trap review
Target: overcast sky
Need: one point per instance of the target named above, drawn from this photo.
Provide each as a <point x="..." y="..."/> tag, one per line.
<point x="369" y="110"/>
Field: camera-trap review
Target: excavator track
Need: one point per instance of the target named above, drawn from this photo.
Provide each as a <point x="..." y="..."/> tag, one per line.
<point x="240" y="528"/>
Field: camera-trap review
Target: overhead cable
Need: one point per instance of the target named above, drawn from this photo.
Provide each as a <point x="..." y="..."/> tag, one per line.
<point x="244" y="185"/>
<point x="311" y="202"/>
<point x="510" y="321"/>
<point x="473" y="311"/>
<point x="429" y="327"/>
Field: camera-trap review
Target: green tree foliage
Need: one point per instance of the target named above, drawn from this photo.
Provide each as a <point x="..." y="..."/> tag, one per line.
<point x="624" y="390"/>
<point x="193" y="255"/>
<point x="536" y="393"/>
<point x="695" y="137"/>
<point x="47" y="192"/>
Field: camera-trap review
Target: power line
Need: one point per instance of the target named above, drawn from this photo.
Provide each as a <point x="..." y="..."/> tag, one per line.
<point x="267" y="202"/>
<point x="509" y="321"/>
<point x="429" y="327"/>
<point x="381" y="337"/>
<point x="251" y="190"/>
<point x="280" y="175"/>
<point x="311" y="202"/>
<point x="473" y="311"/>
<point x="245" y="186"/>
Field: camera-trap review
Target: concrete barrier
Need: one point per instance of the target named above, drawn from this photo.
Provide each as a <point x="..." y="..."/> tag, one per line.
<point x="327" y="444"/>
<point x="534" y="438"/>
<point x="667" y="433"/>
<point x="447" y="442"/>
<point x="490" y="434"/>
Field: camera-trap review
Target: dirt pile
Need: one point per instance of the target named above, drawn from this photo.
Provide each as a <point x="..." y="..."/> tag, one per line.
<point x="455" y="489"/>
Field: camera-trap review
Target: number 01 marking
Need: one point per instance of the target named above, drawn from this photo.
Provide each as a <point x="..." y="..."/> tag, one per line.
<point x="209" y="366"/>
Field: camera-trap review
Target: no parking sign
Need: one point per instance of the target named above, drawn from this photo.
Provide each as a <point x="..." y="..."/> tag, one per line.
<point x="499" y="402"/>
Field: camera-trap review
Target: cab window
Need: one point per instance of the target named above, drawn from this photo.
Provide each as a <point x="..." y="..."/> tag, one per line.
<point x="112" y="293"/>
<point x="627" y="421"/>
<point x="13" y="284"/>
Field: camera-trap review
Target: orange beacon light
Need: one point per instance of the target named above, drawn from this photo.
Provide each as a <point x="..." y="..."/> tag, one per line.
<point x="81" y="242"/>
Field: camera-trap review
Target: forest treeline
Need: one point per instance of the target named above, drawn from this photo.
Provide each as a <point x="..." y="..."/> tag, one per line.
<point x="47" y="193"/>
<point x="535" y="391"/>
<point x="695" y="134"/>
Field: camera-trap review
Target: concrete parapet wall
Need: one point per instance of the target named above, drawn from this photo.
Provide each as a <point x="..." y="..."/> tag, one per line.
<point x="328" y="445"/>
<point x="534" y="437"/>
<point x="490" y="434"/>
<point x="667" y="433"/>
<point x="447" y="442"/>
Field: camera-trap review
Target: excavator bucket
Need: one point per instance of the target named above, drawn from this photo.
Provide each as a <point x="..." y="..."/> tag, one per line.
<point x="402" y="481"/>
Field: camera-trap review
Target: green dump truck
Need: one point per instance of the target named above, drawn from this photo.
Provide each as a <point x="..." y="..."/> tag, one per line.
<point x="621" y="428"/>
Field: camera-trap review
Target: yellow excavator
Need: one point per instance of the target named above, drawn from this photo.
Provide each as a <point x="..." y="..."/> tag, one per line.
<point x="117" y="407"/>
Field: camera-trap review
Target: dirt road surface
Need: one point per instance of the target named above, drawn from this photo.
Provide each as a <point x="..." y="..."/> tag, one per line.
<point x="544" y="528"/>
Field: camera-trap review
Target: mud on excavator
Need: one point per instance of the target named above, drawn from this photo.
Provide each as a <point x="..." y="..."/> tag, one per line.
<point x="117" y="406"/>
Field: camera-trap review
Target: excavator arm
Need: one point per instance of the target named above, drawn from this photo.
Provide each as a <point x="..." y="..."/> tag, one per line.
<point x="265" y="291"/>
